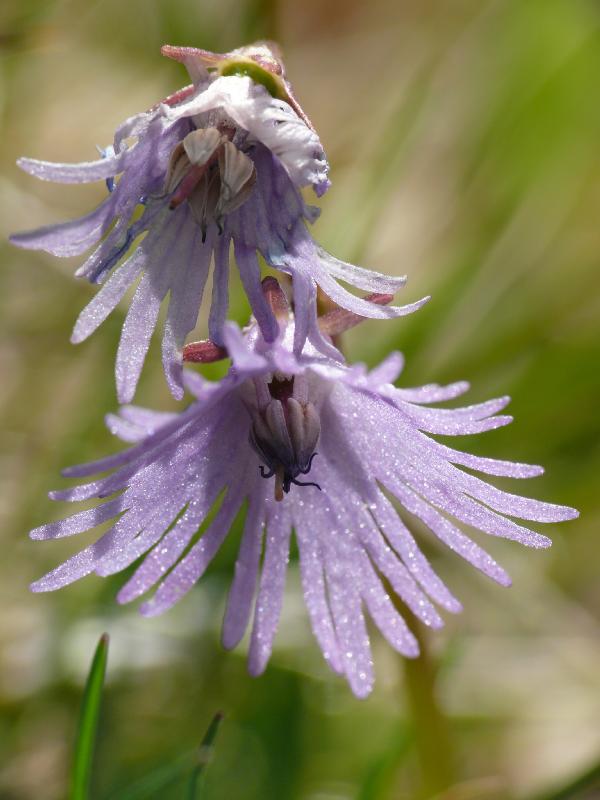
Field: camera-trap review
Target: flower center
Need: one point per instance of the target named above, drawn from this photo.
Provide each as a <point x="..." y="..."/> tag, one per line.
<point x="209" y="172"/>
<point x="285" y="430"/>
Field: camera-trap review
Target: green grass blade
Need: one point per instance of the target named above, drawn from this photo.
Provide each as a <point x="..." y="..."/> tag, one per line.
<point x="167" y="775"/>
<point x="383" y="772"/>
<point x="156" y="781"/>
<point x="204" y="756"/>
<point x="88" y="723"/>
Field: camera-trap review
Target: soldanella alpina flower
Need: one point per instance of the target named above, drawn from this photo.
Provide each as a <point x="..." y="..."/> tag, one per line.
<point x="221" y="161"/>
<point x="307" y="444"/>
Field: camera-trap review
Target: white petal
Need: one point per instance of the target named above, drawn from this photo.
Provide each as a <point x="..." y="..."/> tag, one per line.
<point x="272" y="122"/>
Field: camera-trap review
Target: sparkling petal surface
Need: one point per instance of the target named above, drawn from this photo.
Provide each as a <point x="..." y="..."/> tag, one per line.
<point x="355" y="551"/>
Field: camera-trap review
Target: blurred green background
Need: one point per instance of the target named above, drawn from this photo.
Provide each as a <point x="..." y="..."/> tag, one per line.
<point x="463" y="137"/>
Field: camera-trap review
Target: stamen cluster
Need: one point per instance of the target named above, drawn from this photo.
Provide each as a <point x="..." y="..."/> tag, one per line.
<point x="285" y="430"/>
<point x="209" y="171"/>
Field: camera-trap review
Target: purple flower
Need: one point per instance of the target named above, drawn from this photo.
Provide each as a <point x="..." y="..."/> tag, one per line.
<point x="219" y="162"/>
<point x="302" y="443"/>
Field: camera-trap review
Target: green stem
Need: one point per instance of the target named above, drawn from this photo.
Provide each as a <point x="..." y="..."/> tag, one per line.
<point x="432" y="737"/>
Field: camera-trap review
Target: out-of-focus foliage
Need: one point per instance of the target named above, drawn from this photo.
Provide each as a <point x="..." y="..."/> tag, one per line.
<point x="463" y="137"/>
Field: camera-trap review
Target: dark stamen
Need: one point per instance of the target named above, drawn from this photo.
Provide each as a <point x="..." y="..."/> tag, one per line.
<point x="287" y="479"/>
<point x="310" y="460"/>
<point x="305" y="483"/>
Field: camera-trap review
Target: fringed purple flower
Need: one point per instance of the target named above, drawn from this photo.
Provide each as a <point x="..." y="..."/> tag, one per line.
<point x="304" y="444"/>
<point x="219" y="162"/>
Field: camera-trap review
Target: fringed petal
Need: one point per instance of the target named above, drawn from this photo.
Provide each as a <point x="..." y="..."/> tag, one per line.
<point x="346" y="608"/>
<point x="304" y="294"/>
<point x="513" y="504"/>
<point x="366" y="279"/>
<point x="431" y="393"/>
<point x="220" y="293"/>
<point x="245" y="579"/>
<point x="243" y="358"/>
<point x="490" y="466"/>
<point x="184" y="304"/>
<point x="312" y="574"/>
<point x="251" y="280"/>
<point x="135" y="337"/>
<point x="190" y="569"/>
<point x="147" y="421"/>
<point x="272" y="583"/>
<point x="69" y="238"/>
<point x="394" y="570"/>
<point x="362" y="541"/>
<point x="108" y="298"/>
<point x="403" y="542"/>
<point x="83" y="521"/>
<point x="84" y="172"/>
<point x="142" y="316"/>
<point x="161" y="518"/>
<point x="388" y="371"/>
<point x="383" y="613"/>
<point x="84" y="562"/>
<point x="450" y="535"/>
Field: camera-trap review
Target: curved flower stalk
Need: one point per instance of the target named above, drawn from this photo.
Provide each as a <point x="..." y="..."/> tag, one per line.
<point x="217" y="164"/>
<point x="302" y="443"/>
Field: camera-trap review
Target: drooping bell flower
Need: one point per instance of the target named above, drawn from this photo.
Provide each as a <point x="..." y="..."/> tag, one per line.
<point x="309" y="445"/>
<point x="217" y="166"/>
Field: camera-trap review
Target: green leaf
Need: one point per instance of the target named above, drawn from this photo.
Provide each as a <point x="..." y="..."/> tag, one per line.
<point x="88" y="723"/>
